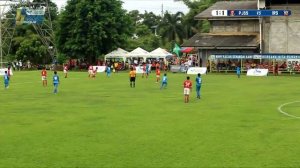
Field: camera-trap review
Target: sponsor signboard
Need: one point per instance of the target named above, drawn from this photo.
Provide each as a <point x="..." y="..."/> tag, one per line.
<point x="100" y="68"/>
<point x="2" y="71"/>
<point x="27" y="15"/>
<point x="256" y="56"/>
<point x="196" y="70"/>
<point x="178" y="68"/>
<point x="257" y="72"/>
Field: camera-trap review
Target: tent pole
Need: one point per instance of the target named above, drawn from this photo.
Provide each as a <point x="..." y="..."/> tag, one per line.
<point x="274" y="67"/>
<point x="210" y="68"/>
<point x="241" y="66"/>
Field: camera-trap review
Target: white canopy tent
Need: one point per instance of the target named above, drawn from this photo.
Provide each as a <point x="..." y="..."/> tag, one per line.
<point x="116" y="54"/>
<point x="138" y="53"/>
<point x="159" y="53"/>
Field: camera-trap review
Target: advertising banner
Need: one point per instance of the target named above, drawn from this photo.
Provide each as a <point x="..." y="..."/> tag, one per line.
<point x="178" y="68"/>
<point x="26" y="15"/>
<point x="196" y="70"/>
<point x="293" y="62"/>
<point x="256" y="56"/>
<point x="175" y="68"/>
<point x="100" y="68"/>
<point x="2" y="71"/>
<point x="139" y="69"/>
<point x="257" y="72"/>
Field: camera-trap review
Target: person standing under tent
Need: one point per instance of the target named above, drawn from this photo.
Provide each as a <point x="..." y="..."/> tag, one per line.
<point x="132" y="76"/>
<point x="6" y="80"/>
<point x="66" y="70"/>
<point x="198" y="85"/>
<point x="187" y="86"/>
<point x="238" y="71"/>
<point x="55" y="82"/>
<point x="276" y="69"/>
<point x="157" y="65"/>
<point x="44" y="77"/>
<point x="164" y="82"/>
<point x="116" y="65"/>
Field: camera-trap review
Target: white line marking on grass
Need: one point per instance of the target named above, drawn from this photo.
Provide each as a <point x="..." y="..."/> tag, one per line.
<point x="21" y="83"/>
<point x="285" y="113"/>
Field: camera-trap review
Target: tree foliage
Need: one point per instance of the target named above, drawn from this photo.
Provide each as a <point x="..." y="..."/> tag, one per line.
<point x="193" y="26"/>
<point x="150" y="20"/>
<point x="171" y="28"/>
<point x="26" y="44"/>
<point x="145" y="26"/>
<point x="32" y="49"/>
<point x="89" y="28"/>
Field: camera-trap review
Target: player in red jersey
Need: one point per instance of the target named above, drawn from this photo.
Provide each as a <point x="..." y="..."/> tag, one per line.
<point x="157" y="75"/>
<point x="90" y="71"/>
<point x="94" y="73"/>
<point x="187" y="84"/>
<point x="66" y="71"/>
<point x="44" y="77"/>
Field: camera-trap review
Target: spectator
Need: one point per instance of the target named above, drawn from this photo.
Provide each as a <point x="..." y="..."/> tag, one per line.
<point x="276" y="69"/>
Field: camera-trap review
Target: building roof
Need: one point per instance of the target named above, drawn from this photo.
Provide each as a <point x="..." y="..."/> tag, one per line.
<point x="227" y="5"/>
<point x="223" y="41"/>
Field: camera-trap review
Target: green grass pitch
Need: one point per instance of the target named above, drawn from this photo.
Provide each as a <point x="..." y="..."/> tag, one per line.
<point x="105" y="123"/>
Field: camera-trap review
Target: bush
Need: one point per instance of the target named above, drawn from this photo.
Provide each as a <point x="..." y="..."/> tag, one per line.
<point x="61" y="59"/>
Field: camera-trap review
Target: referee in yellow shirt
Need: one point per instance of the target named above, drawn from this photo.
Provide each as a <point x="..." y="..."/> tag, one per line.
<point x="132" y="75"/>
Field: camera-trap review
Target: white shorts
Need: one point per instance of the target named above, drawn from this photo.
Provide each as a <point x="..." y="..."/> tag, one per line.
<point x="65" y="71"/>
<point x="158" y="76"/>
<point x="186" y="91"/>
<point x="44" y="78"/>
<point x="90" y="71"/>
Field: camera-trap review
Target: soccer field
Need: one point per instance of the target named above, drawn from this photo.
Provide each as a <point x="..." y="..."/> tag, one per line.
<point x="105" y="123"/>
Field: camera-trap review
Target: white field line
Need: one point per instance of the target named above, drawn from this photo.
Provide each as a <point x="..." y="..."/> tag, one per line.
<point x="285" y="113"/>
<point x="20" y="83"/>
<point x="40" y="81"/>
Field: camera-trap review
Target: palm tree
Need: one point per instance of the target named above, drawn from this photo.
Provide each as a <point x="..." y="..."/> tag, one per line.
<point x="193" y="26"/>
<point x="171" y="27"/>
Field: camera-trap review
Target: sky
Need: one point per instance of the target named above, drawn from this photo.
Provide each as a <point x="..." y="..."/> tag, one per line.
<point x="154" y="6"/>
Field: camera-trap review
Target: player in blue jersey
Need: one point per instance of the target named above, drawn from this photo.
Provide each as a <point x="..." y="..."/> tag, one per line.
<point x="6" y="80"/>
<point x="108" y="71"/>
<point x="198" y="85"/>
<point x="147" y="70"/>
<point x="55" y="82"/>
<point x="238" y="71"/>
<point x="164" y="82"/>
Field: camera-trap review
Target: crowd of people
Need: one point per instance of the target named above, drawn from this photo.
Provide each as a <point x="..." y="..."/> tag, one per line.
<point x="231" y="65"/>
